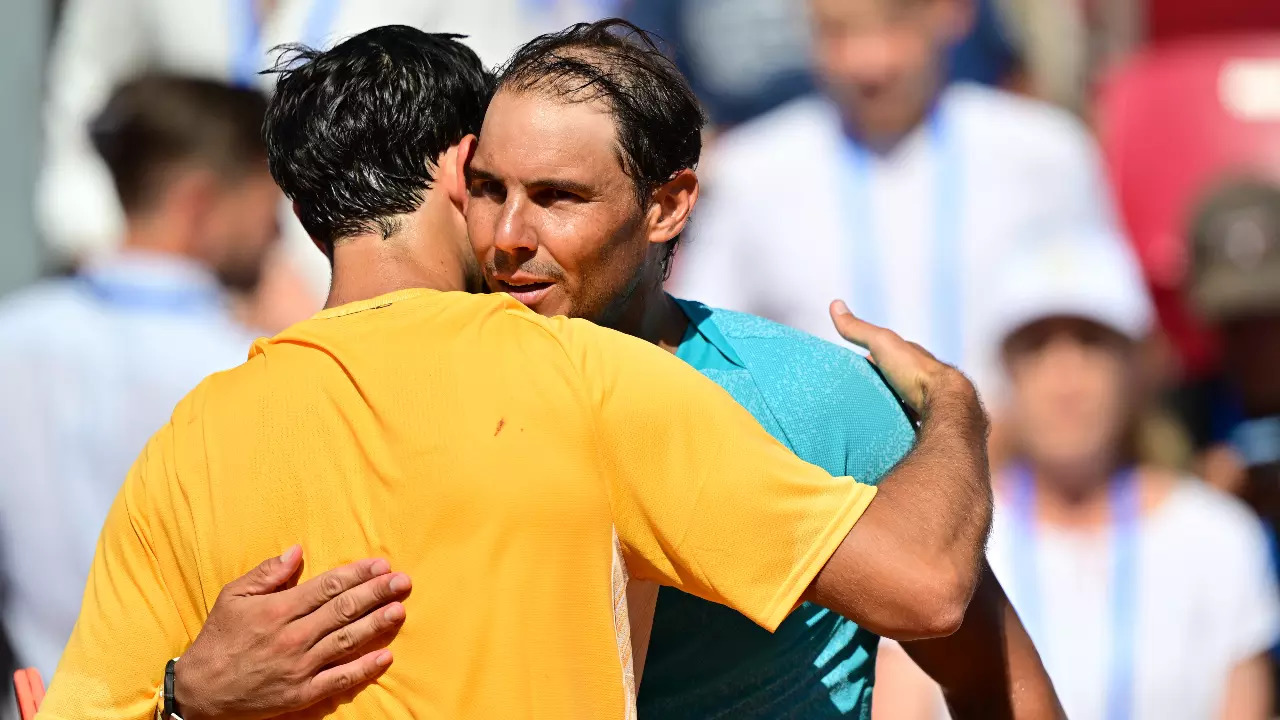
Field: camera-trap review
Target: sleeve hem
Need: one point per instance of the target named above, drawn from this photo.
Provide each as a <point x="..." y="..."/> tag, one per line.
<point x="788" y="596"/>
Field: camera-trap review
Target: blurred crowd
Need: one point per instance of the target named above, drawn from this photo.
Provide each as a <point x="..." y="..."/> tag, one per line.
<point x="1077" y="202"/>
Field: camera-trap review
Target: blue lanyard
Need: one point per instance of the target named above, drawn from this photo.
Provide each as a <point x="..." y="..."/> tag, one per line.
<point x="248" y="55"/>
<point x="946" y="341"/>
<point x="1125" y="500"/>
<point x="152" y="299"/>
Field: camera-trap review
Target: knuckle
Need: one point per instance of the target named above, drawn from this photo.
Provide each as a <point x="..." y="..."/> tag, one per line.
<point x="382" y="589"/>
<point x="331" y="585"/>
<point x="380" y="623"/>
<point x="345" y="608"/>
<point x="344" y="680"/>
<point x="296" y="675"/>
<point x="289" y="639"/>
<point x="345" y="640"/>
<point x="273" y="613"/>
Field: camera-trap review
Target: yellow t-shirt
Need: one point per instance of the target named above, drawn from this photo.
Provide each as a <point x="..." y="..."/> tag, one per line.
<point x="511" y="464"/>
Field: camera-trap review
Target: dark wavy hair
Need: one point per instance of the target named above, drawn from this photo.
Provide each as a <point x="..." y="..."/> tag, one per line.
<point x="353" y="132"/>
<point x="658" y="119"/>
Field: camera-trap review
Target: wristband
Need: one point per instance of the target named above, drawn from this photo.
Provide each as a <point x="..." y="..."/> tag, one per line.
<point x="170" y="704"/>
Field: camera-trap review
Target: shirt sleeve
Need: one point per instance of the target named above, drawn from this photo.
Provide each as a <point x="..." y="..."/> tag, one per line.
<point x="130" y="623"/>
<point x="703" y="498"/>
<point x="1255" y="618"/>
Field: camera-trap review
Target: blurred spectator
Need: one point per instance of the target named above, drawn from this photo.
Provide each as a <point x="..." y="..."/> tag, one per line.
<point x="91" y="365"/>
<point x="1235" y="283"/>
<point x="893" y="191"/>
<point x="746" y="57"/>
<point x="742" y="57"/>
<point x="1065" y="44"/>
<point x="102" y="42"/>
<point x="1148" y="595"/>
<point x="1212" y="104"/>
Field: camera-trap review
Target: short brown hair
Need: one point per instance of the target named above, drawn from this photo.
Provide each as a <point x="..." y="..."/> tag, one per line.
<point x="156" y="122"/>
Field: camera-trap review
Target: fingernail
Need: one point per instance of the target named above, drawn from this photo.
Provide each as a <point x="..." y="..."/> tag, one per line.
<point x="383" y="659"/>
<point x="399" y="583"/>
<point x="380" y="567"/>
<point x="291" y="554"/>
<point x="394" y="613"/>
<point x="842" y="308"/>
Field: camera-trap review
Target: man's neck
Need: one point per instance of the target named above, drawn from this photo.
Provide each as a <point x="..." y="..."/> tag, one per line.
<point x="368" y="266"/>
<point x="1072" y="501"/>
<point x="155" y="234"/>
<point x="885" y="139"/>
<point x="653" y="315"/>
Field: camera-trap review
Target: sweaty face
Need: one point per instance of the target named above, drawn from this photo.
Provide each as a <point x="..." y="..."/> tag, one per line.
<point x="1071" y="382"/>
<point x="882" y="59"/>
<point x="242" y="226"/>
<point x="552" y="215"/>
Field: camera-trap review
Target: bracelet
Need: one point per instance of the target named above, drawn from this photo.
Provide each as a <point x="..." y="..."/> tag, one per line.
<point x="170" y="704"/>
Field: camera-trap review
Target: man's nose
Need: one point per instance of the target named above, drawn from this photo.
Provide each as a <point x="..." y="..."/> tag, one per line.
<point x="515" y="235"/>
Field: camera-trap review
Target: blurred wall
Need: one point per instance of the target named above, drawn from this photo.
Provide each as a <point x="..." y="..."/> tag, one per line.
<point x="23" y="36"/>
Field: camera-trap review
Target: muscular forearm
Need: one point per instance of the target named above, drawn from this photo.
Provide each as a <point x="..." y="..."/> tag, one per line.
<point x="940" y="494"/>
<point x="989" y="669"/>
<point x="909" y="566"/>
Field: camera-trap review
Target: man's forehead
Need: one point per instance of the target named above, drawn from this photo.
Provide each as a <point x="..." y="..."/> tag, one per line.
<point x="533" y="128"/>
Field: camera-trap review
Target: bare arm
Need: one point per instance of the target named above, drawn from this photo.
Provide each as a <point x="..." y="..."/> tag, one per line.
<point x="1249" y="691"/>
<point x="989" y="669"/>
<point x="909" y="567"/>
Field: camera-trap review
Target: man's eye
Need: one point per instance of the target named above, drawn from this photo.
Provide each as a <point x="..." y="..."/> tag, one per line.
<point x="488" y="188"/>
<point x="556" y="195"/>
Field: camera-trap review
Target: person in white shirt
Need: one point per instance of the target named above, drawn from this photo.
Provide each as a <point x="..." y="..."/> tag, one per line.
<point x="92" y="365"/>
<point x="892" y="188"/>
<point x="101" y="43"/>
<point x="1149" y="595"/>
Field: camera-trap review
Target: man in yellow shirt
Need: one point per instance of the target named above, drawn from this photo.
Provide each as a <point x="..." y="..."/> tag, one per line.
<point x="526" y="466"/>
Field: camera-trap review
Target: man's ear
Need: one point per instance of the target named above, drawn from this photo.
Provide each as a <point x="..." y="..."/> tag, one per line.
<point x="455" y="166"/>
<point x="319" y="245"/>
<point x="672" y="204"/>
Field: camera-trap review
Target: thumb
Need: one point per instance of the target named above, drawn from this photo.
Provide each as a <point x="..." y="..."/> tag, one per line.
<point x="269" y="575"/>
<point x="851" y="328"/>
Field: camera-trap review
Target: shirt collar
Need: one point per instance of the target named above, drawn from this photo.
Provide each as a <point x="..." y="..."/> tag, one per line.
<point x="154" y="280"/>
<point x="152" y="269"/>
<point x="702" y="322"/>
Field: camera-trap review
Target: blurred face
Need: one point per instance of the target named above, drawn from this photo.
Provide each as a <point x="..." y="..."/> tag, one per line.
<point x="882" y="60"/>
<point x="552" y="216"/>
<point x="1071" y="396"/>
<point x="240" y="227"/>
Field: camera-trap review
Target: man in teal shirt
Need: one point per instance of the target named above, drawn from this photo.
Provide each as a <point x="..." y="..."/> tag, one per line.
<point x="578" y="191"/>
<point x="579" y="188"/>
<point x="705" y="660"/>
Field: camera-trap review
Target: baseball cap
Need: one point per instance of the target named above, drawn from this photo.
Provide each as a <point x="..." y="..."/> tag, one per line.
<point x="1091" y="274"/>
<point x="1235" y="267"/>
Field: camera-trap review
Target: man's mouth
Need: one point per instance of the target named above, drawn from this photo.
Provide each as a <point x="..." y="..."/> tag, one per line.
<point x="528" y="293"/>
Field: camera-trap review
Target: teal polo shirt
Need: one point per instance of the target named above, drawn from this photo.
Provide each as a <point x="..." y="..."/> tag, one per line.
<point x="831" y="407"/>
